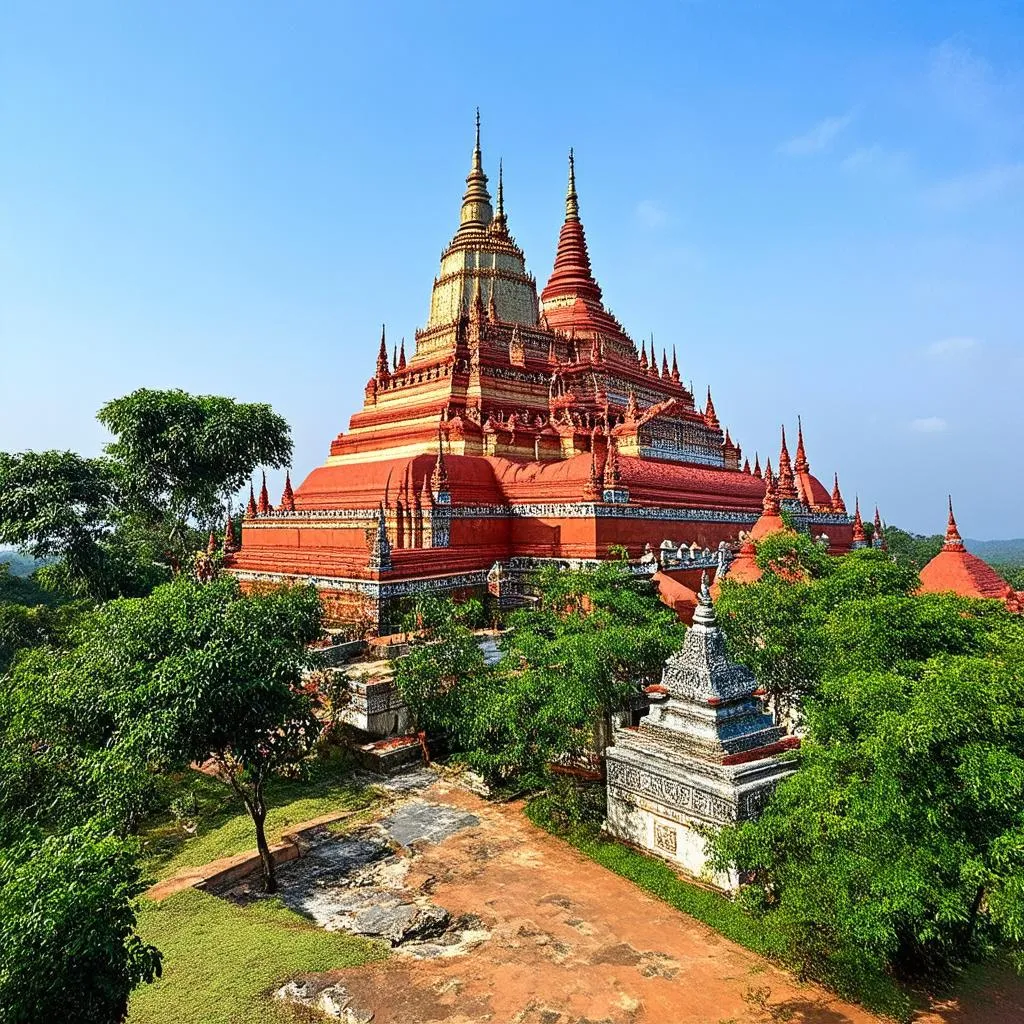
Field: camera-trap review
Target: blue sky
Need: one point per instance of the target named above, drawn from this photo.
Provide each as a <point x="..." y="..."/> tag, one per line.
<point x="820" y="204"/>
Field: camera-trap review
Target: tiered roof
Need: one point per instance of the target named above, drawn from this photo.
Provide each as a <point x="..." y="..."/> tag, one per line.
<point x="955" y="570"/>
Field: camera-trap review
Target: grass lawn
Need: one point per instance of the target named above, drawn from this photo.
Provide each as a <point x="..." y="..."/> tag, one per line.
<point x="878" y="994"/>
<point x="222" y="826"/>
<point x="221" y="960"/>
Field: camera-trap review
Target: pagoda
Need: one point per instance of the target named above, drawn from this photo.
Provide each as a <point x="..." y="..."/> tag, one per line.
<point x="706" y="755"/>
<point x="521" y="428"/>
<point x="954" y="570"/>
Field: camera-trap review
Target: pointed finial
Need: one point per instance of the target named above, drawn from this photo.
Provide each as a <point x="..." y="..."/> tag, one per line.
<point x="382" y="355"/>
<point x="710" y="416"/>
<point x="953" y="542"/>
<point x="746" y="466"/>
<point x="394" y="357"/>
<point x="801" y="465"/>
<point x="250" y="509"/>
<point x="704" y="614"/>
<point x="263" y="506"/>
<point x="211" y="545"/>
<point x="858" y="524"/>
<point x="230" y="544"/>
<point x="838" y="505"/>
<point x="643" y="355"/>
<point x="664" y="364"/>
<point x="757" y="466"/>
<point x="675" y="367"/>
<point x="572" y="205"/>
<point x="287" y="497"/>
<point x="501" y="188"/>
<point x="401" y="355"/>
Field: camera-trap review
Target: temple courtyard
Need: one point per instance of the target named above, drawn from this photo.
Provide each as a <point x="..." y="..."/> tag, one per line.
<point x="489" y="918"/>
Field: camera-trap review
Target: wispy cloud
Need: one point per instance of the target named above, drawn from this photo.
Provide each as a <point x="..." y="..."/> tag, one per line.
<point x="961" y="79"/>
<point x="819" y="138"/>
<point x="949" y="348"/>
<point x="877" y="161"/>
<point x="650" y="214"/>
<point x="975" y="187"/>
<point x="928" y="425"/>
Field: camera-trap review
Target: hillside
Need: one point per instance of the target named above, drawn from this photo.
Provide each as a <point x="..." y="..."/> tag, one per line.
<point x="1003" y="552"/>
<point x="21" y="565"/>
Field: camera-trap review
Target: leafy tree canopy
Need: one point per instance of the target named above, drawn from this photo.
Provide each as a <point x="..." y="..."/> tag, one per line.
<point x="178" y="454"/>
<point x="68" y="947"/>
<point x="591" y="639"/>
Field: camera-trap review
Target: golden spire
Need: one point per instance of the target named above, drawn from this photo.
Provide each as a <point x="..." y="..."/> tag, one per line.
<point x="476" y="201"/>
<point x="499" y="226"/>
<point x="572" y="205"/>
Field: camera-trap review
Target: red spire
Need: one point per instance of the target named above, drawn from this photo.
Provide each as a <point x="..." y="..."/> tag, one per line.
<point x="592" y="488"/>
<point x="858" y="525"/>
<point x="394" y="358"/>
<point x="879" y="537"/>
<point x="250" y="509"/>
<point x="757" y="466"/>
<point x="838" y="505"/>
<point x="953" y="542"/>
<point x="787" y="488"/>
<point x="572" y="274"/>
<point x="287" y="498"/>
<point x="653" y="369"/>
<point x="611" y="466"/>
<point x="264" y="506"/>
<point x="230" y="544"/>
<point x="801" y="465"/>
<point x="211" y="544"/>
<point x="632" y="409"/>
<point x="675" y="367"/>
<point x="439" y="476"/>
<point x="664" y="365"/>
<point x="770" y="505"/>
<point x="746" y="466"/>
<point x="643" y="355"/>
<point x="710" y="416"/>
<point x="382" y="357"/>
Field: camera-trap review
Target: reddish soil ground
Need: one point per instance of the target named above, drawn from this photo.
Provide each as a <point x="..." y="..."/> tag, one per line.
<point x="571" y="943"/>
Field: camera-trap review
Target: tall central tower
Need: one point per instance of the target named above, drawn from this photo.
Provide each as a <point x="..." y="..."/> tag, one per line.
<point x="482" y="259"/>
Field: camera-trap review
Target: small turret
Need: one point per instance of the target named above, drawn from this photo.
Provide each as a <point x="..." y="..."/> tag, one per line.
<point x="263" y="506"/>
<point x="643" y="355"/>
<point x="787" y="485"/>
<point x="859" y="537"/>
<point x="757" y="466"/>
<point x="287" y="497"/>
<point x="439" y="476"/>
<point x="710" y="416"/>
<point x="250" y="509"/>
<point x="383" y="373"/>
<point x="953" y="541"/>
<point x="675" y="367"/>
<point x="401" y="356"/>
<point x="838" y="505"/>
<point x="230" y="541"/>
<point x="664" y="365"/>
<point x="801" y="465"/>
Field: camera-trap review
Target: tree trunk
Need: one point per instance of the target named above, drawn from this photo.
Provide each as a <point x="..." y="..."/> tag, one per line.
<point x="258" y="811"/>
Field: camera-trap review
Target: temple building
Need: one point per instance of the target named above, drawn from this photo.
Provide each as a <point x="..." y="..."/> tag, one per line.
<point x="521" y="427"/>
<point x="954" y="570"/>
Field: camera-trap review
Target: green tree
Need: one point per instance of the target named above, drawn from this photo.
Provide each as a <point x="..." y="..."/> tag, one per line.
<point x="59" y="505"/>
<point x="588" y="643"/>
<point x="178" y="455"/>
<point x="68" y="947"/>
<point x="233" y="691"/>
<point x="912" y="549"/>
<point x="898" y="845"/>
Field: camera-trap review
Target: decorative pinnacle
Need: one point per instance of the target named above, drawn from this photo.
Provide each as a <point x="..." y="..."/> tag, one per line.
<point x="476" y="202"/>
<point x="953" y="539"/>
<point x="801" y="465"/>
<point x="287" y="497"/>
<point x="704" y="614"/>
<point x="675" y="367"/>
<point x="858" y="524"/>
<point x="838" y="505"/>
<point x="382" y="355"/>
<point x="501" y="189"/>
<point x="250" y="509"/>
<point x="263" y="506"/>
<point x="572" y="205"/>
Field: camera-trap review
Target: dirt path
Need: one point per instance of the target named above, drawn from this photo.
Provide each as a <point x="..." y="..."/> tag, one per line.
<point x="570" y="943"/>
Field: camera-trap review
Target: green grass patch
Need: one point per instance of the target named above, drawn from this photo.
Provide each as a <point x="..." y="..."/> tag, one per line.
<point x="221" y="825"/>
<point x="221" y="960"/>
<point x="879" y="994"/>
